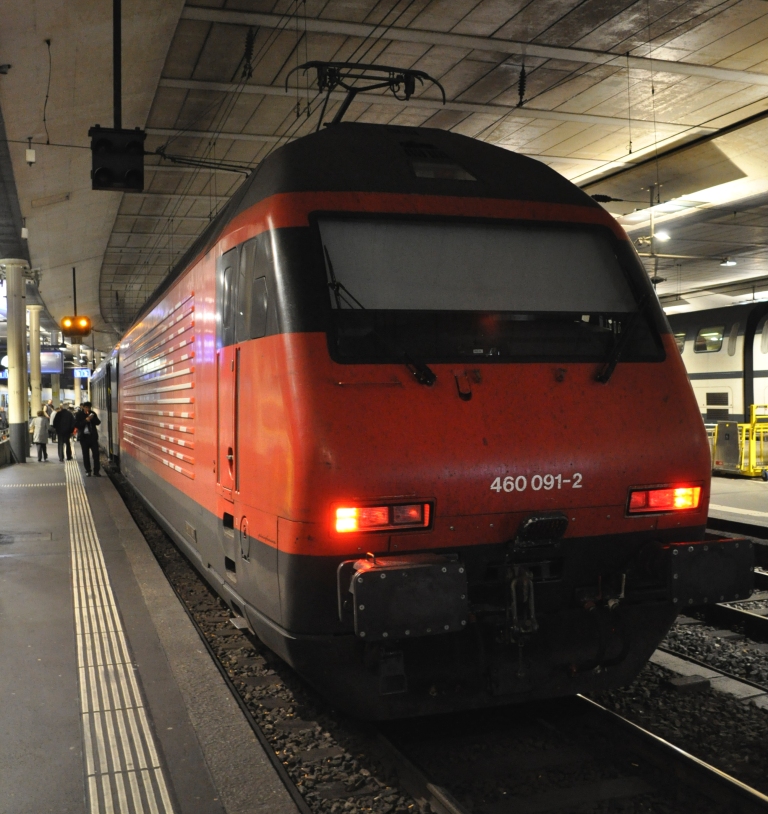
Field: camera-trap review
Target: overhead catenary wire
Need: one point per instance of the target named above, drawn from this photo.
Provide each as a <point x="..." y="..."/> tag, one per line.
<point x="225" y="107"/>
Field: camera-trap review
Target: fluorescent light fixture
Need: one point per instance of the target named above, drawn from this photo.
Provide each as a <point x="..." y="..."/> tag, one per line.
<point x="728" y="262"/>
<point x="662" y="235"/>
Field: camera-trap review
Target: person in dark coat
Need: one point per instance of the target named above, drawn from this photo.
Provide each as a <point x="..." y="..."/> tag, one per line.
<point x="86" y="423"/>
<point x="64" y="423"/>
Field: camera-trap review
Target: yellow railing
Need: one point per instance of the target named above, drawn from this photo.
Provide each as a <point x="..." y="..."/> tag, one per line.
<point x="753" y="443"/>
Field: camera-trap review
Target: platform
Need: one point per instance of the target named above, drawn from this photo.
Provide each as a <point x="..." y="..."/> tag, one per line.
<point x="111" y="703"/>
<point x="740" y="500"/>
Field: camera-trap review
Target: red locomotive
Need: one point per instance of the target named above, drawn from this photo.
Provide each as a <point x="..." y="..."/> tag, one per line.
<point x="412" y="407"/>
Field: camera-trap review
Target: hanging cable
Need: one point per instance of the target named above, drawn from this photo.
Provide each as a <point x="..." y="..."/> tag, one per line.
<point x="629" y="107"/>
<point x="298" y="40"/>
<point x="389" y="25"/>
<point x="306" y="59"/>
<point x="653" y="105"/>
<point x="47" y="94"/>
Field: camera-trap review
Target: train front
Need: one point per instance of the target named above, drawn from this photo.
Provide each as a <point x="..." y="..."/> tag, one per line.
<point x="497" y="477"/>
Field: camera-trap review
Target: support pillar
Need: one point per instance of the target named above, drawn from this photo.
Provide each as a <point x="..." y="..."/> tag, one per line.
<point x="56" y="389"/>
<point x="18" y="417"/>
<point x="36" y="402"/>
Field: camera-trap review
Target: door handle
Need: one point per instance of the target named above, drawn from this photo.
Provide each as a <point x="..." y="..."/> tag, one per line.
<point x="230" y="456"/>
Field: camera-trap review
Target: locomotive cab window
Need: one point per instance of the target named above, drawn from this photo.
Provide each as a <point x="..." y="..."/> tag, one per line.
<point x="226" y="269"/>
<point x="448" y="291"/>
<point x="241" y="293"/>
<point x="709" y="340"/>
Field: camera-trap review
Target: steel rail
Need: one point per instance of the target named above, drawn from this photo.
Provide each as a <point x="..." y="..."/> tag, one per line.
<point x="729" y="614"/>
<point x="719" y="670"/>
<point x="707" y="779"/>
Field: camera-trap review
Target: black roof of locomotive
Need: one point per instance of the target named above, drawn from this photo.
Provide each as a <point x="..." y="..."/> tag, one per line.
<point x="352" y="157"/>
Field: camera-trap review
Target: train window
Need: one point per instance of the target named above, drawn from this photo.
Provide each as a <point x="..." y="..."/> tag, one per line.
<point x="242" y="301"/>
<point x="241" y="293"/>
<point x="449" y="291"/>
<point x="764" y="339"/>
<point x="733" y="337"/>
<point x="709" y="340"/>
<point x="225" y="283"/>
<point x="680" y="341"/>
<point x="255" y="265"/>
<point x="259" y="306"/>
<point x="428" y="161"/>
<point x="475" y="267"/>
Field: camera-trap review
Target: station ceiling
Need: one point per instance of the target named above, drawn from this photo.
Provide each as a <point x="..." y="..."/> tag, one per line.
<point x="661" y="104"/>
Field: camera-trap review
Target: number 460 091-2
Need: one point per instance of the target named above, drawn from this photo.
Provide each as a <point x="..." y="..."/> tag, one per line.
<point x="538" y="482"/>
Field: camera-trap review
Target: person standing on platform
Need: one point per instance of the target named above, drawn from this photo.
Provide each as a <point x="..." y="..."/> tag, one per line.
<point x="39" y="427"/>
<point x="64" y="423"/>
<point x="86" y="422"/>
<point x="49" y="410"/>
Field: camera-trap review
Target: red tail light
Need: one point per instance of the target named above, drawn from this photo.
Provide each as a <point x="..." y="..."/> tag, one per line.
<point x="669" y="499"/>
<point x="380" y="518"/>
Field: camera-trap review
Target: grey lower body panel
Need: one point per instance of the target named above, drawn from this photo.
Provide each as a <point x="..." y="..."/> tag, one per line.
<point x="574" y="650"/>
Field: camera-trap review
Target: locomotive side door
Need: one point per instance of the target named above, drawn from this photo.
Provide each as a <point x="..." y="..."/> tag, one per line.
<point x="226" y="373"/>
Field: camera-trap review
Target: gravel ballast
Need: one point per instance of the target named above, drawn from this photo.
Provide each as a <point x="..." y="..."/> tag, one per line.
<point x="728" y="733"/>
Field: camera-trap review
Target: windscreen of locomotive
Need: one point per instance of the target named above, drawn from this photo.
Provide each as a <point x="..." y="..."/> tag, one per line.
<point x="441" y="266"/>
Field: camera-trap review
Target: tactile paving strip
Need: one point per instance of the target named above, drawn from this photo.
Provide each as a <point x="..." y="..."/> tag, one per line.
<point x="26" y="485"/>
<point x="122" y="766"/>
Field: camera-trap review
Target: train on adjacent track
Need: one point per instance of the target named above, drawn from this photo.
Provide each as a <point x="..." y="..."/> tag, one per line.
<point x="725" y="351"/>
<point x="411" y="406"/>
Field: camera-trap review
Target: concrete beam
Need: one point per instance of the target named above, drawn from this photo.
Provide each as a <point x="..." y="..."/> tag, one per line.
<point x="472" y="43"/>
<point x="501" y="111"/>
<point x="560" y="159"/>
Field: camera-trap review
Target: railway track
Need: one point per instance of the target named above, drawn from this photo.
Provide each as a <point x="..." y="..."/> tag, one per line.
<point x="555" y="757"/>
<point x="740" y="616"/>
<point x="535" y="758"/>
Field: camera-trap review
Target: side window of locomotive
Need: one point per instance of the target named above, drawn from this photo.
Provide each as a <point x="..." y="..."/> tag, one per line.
<point x="225" y="284"/>
<point x="242" y="300"/>
<point x="764" y="338"/>
<point x="680" y="341"/>
<point x="733" y="337"/>
<point x="259" y="306"/>
<point x="709" y="340"/>
<point x="255" y="266"/>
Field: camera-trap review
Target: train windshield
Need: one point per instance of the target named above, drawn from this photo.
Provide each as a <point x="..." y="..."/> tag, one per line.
<point x="448" y="291"/>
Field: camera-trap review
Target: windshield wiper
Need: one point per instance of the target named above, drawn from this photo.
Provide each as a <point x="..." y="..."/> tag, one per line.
<point x="338" y="287"/>
<point x="419" y="370"/>
<point x="620" y="345"/>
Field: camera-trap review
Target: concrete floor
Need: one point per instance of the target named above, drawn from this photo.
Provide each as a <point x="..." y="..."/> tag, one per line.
<point x="739" y="499"/>
<point x="209" y="757"/>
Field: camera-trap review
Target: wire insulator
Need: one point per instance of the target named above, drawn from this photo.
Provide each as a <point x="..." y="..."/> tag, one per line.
<point x="250" y="40"/>
<point x="521" y="82"/>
